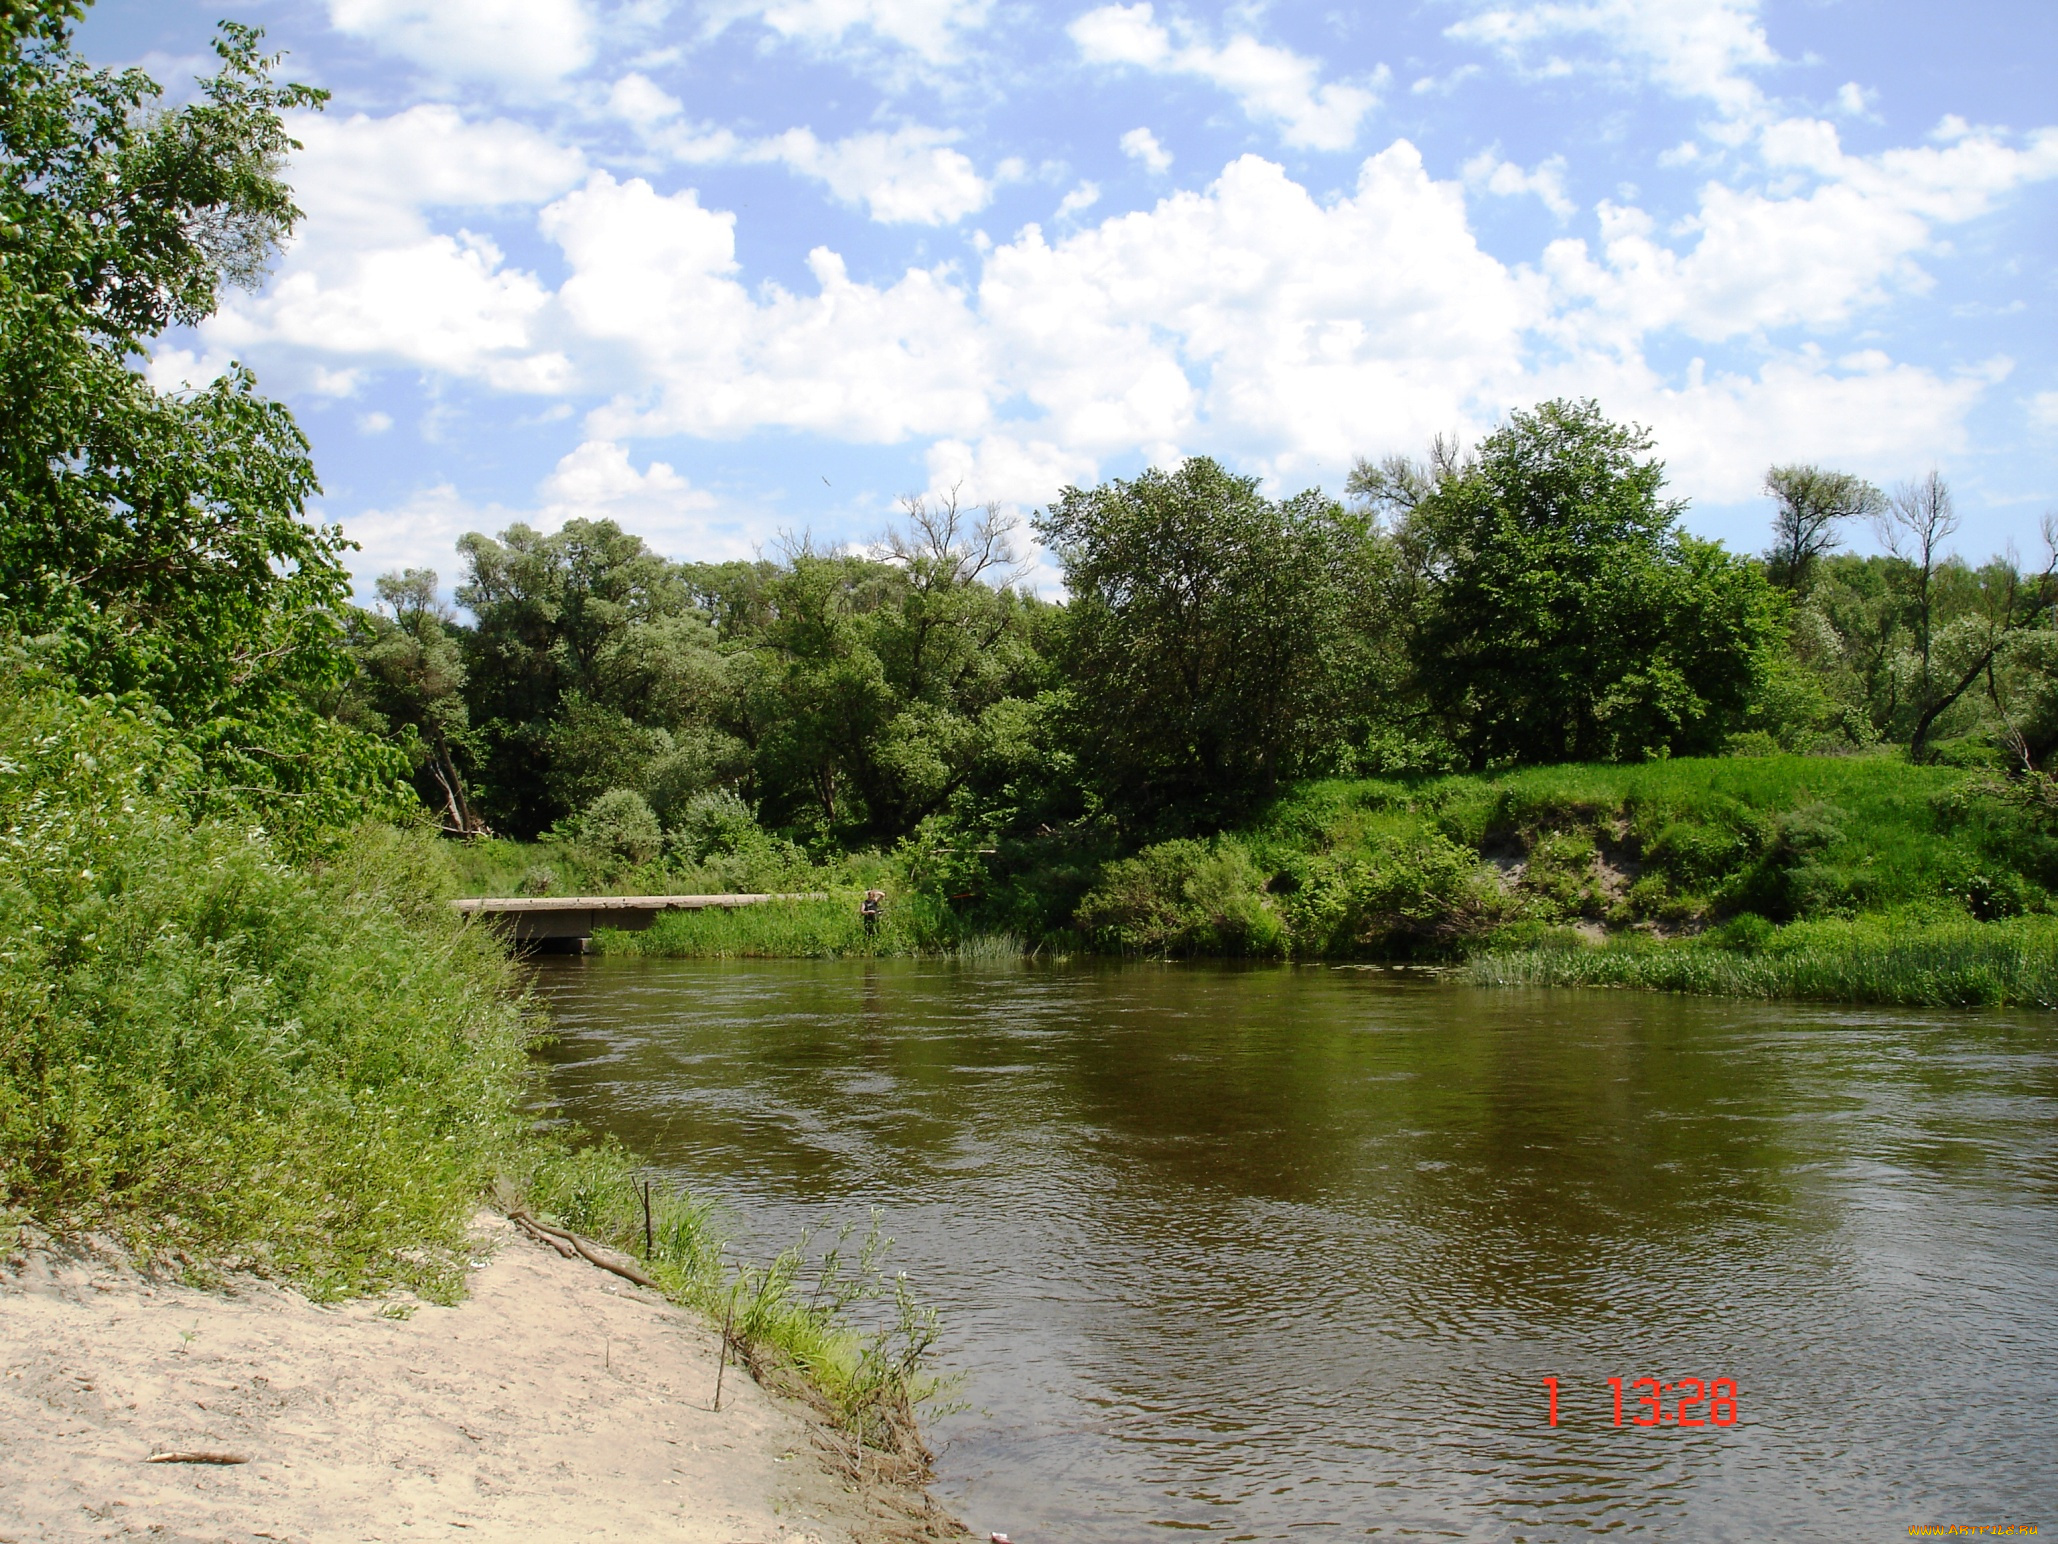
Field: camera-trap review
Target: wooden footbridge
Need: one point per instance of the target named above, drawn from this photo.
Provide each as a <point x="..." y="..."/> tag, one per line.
<point x="553" y="923"/>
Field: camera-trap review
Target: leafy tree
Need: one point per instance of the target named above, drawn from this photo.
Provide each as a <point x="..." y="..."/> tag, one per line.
<point x="881" y="681"/>
<point x="155" y="543"/>
<point x="573" y="666"/>
<point x="411" y="680"/>
<point x="1565" y="616"/>
<point x="1812" y="503"/>
<point x="1216" y="641"/>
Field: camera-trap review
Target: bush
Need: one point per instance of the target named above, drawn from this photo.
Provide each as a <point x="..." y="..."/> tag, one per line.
<point x="312" y="1072"/>
<point x="712" y="824"/>
<point x="620" y="825"/>
<point x="1183" y="897"/>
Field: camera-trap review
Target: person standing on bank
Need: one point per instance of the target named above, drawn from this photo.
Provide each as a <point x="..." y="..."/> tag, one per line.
<point x="874" y="902"/>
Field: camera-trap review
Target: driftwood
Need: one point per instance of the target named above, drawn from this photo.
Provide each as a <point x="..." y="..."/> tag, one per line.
<point x="196" y="1458"/>
<point x="564" y="1243"/>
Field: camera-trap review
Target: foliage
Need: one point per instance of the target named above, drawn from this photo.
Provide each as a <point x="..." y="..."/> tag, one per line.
<point x="1183" y="897"/>
<point x="1216" y="642"/>
<point x="1917" y="963"/>
<point x="1565" y="616"/>
<point x="1810" y="503"/>
<point x="311" y="1070"/>
<point x="619" y="825"/>
<point x="154" y="543"/>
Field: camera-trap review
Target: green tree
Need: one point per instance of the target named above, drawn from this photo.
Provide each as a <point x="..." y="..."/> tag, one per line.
<point x="1216" y="642"/>
<point x="1564" y="614"/>
<point x="881" y="681"/>
<point x="156" y="543"/>
<point x="568" y="676"/>
<point x="1811" y="504"/>
<point x="411" y="681"/>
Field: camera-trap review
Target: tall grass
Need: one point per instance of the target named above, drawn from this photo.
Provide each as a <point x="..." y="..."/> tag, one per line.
<point x="831" y="929"/>
<point x="317" y="1072"/>
<point x="1949" y="963"/>
<point x="312" y="1071"/>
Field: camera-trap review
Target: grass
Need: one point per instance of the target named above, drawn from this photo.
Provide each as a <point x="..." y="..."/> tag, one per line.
<point x="316" y="1071"/>
<point x="784" y="930"/>
<point x="1953" y="963"/>
<point x="312" y="1071"/>
<point x="793" y="1320"/>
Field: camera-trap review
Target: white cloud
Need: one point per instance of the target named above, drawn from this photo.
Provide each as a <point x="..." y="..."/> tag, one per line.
<point x="1702" y="49"/>
<point x="365" y="181"/>
<point x="1854" y="100"/>
<point x="638" y="99"/>
<point x="1279" y="326"/>
<point x="1812" y="259"/>
<point x="652" y="279"/>
<point x="421" y="532"/>
<point x="1488" y="172"/>
<point x="1270" y="83"/>
<point x="596" y="481"/>
<point x="374" y="423"/>
<point x="2043" y="409"/>
<point x="910" y="176"/>
<point x="932" y="29"/>
<point x="446" y="302"/>
<point x="1079" y="200"/>
<point x="1142" y="145"/>
<point x="1718" y="431"/>
<point x="369" y="276"/>
<point x="519" y="43"/>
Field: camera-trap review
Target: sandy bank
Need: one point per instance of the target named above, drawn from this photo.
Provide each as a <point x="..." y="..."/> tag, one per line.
<point x="557" y="1402"/>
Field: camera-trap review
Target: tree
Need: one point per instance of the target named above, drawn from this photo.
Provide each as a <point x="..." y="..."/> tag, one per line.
<point x="878" y="678"/>
<point x="411" y="676"/>
<point x="1216" y="641"/>
<point x="152" y="543"/>
<point x="1564" y="614"/>
<point x="1812" y="503"/>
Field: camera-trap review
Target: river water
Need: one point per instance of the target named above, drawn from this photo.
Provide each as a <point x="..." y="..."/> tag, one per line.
<point x="1287" y="1253"/>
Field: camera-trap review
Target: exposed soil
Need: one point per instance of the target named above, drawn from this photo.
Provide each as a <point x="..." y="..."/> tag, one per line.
<point x="557" y="1402"/>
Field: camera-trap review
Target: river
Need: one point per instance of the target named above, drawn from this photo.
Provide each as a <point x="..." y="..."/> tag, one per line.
<point x="1288" y="1253"/>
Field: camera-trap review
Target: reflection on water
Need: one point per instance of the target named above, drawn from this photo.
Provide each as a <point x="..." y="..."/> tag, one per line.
<point x="1286" y="1253"/>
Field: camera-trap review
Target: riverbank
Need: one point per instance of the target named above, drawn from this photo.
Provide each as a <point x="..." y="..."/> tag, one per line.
<point x="1862" y="879"/>
<point x="552" y="1401"/>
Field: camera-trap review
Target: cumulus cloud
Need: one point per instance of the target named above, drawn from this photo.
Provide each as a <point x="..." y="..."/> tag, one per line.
<point x="1758" y="260"/>
<point x="1700" y="49"/>
<point x="934" y="30"/>
<point x="653" y="278"/>
<point x="1142" y="145"/>
<point x="1489" y="173"/>
<point x="517" y="43"/>
<point x="370" y="276"/>
<point x="1272" y="84"/>
<point x="910" y="176"/>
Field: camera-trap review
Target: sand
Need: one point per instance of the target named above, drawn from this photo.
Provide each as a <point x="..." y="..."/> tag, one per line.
<point x="556" y="1402"/>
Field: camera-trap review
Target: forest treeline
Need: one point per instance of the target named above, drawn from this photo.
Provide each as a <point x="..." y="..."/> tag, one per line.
<point x="1532" y="600"/>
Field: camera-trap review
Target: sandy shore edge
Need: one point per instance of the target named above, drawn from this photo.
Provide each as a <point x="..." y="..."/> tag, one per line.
<point x="556" y="1402"/>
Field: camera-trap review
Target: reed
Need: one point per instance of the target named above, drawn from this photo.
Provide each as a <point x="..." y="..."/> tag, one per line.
<point x="1944" y="963"/>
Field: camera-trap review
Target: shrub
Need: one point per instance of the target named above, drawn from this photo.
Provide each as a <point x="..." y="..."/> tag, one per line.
<point x="620" y="825"/>
<point x="713" y="823"/>
<point x="313" y="1071"/>
<point x="1183" y="897"/>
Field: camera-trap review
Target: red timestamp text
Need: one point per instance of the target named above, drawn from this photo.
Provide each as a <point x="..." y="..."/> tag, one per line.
<point x="1700" y="1402"/>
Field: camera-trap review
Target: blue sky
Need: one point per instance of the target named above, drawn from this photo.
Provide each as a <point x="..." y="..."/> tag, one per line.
<point x="726" y="270"/>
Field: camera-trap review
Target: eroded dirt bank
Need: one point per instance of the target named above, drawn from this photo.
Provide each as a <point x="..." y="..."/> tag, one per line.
<point x="557" y="1402"/>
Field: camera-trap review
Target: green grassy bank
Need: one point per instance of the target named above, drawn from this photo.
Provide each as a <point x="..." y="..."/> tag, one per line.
<point x="1839" y="878"/>
<point x="223" y="1058"/>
